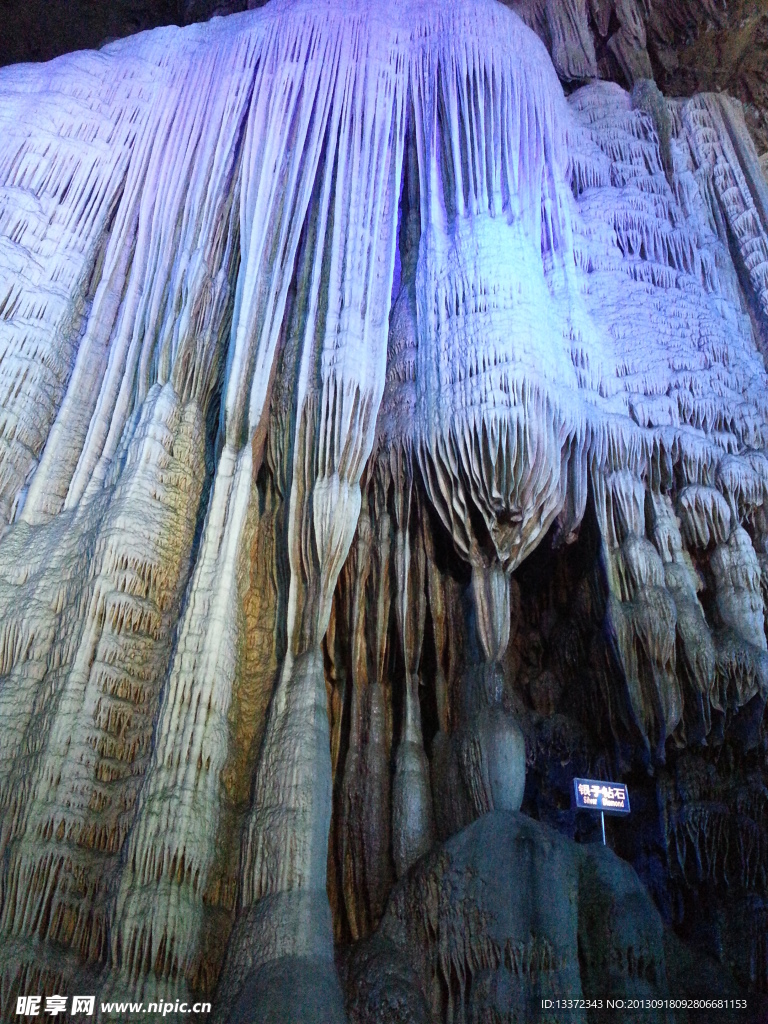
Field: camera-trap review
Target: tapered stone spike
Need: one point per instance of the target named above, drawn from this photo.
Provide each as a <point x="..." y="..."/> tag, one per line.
<point x="412" y="817"/>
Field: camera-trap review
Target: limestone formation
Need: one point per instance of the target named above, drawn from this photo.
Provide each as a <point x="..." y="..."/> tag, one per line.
<point x="383" y="443"/>
<point x="508" y="913"/>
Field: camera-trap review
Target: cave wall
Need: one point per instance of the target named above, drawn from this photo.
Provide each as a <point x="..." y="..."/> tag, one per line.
<point x="383" y="443"/>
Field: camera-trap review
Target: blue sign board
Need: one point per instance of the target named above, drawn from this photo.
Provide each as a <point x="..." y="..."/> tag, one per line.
<point x="608" y="797"/>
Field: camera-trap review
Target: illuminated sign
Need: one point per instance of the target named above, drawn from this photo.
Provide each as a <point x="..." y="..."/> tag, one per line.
<point x="608" y="797"/>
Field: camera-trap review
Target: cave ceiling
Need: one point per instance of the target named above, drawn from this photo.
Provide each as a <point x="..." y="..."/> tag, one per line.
<point x="383" y="445"/>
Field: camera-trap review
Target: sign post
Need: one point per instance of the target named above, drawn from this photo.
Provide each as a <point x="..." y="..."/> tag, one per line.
<point x="606" y="797"/>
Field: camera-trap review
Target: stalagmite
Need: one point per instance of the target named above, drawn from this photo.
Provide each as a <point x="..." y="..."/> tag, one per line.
<point x="383" y="441"/>
<point x="493" y="750"/>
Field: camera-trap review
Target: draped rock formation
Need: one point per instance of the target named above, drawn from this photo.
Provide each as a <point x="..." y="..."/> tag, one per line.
<point x="383" y="442"/>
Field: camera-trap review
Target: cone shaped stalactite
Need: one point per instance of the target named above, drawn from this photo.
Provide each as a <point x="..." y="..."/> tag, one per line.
<point x="412" y="824"/>
<point x="383" y="442"/>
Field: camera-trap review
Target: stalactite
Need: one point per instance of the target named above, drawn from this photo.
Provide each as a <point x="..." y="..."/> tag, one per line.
<point x="379" y="739"/>
<point x="412" y="825"/>
<point x="285" y="844"/>
<point x="564" y="27"/>
<point x="351" y="854"/>
<point x="365" y="819"/>
<point x="696" y="650"/>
